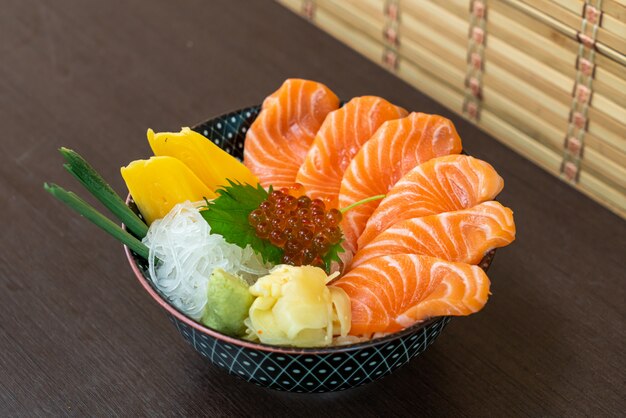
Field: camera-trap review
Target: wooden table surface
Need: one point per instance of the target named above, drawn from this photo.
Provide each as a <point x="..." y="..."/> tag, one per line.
<point x="79" y="336"/>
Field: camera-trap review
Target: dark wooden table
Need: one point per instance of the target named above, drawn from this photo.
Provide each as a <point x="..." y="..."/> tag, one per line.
<point x="79" y="336"/>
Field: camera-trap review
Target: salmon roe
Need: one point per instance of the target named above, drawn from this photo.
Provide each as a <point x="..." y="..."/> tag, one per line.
<point x="301" y="226"/>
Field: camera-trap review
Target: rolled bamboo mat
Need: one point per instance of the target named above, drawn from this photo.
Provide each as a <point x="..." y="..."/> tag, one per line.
<point x="525" y="89"/>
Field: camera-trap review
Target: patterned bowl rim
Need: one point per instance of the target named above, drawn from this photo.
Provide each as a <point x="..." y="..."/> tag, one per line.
<point x="414" y="329"/>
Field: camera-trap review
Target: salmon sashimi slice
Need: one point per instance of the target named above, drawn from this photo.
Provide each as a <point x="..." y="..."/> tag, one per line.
<point x="339" y="139"/>
<point x="394" y="149"/>
<point x="278" y="140"/>
<point x="442" y="184"/>
<point x="463" y="236"/>
<point x="392" y="292"/>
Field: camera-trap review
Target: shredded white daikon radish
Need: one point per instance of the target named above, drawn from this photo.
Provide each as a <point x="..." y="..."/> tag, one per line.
<point x="187" y="255"/>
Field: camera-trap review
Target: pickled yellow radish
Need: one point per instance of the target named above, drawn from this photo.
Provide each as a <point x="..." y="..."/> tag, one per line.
<point x="209" y="162"/>
<point x="158" y="184"/>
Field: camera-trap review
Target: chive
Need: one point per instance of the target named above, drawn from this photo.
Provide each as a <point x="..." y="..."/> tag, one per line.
<point x="95" y="184"/>
<point x="86" y="210"/>
<point x="360" y="202"/>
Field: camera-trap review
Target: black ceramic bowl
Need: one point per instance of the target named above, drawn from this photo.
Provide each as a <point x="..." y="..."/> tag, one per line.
<point x="285" y="368"/>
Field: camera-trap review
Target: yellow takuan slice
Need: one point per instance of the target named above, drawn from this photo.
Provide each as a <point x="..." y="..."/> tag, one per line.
<point x="209" y="162"/>
<point x="159" y="183"/>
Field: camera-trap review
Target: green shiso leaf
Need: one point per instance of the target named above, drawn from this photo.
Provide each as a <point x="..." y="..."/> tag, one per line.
<point x="228" y="216"/>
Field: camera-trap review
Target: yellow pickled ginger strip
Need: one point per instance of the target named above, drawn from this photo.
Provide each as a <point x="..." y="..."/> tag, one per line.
<point x="294" y="306"/>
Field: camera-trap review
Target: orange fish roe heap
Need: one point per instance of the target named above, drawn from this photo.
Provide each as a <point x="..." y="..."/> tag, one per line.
<point x="302" y="227"/>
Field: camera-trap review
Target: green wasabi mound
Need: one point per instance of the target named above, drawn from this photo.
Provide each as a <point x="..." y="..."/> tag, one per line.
<point x="228" y="303"/>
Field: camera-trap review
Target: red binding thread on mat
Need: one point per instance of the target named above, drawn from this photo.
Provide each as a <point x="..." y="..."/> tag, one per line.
<point x="478" y="35"/>
<point x="570" y="170"/>
<point x="391" y="35"/>
<point x="477" y="38"/>
<point x="588" y="41"/>
<point x="593" y="15"/>
<point x="477" y="61"/>
<point x="474" y="85"/>
<point x="574" y="146"/>
<point x="586" y="67"/>
<point x="308" y="9"/>
<point x="478" y="9"/>
<point x="390" y="59"/>
<point x="579" y="120"/>
<point x="582" y="91"/>
<point x="392" y="10"/>
<point x="582" y="94"/>
<point x="472" y="110"/>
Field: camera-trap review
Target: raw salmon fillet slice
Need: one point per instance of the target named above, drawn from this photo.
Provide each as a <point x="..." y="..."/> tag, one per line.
<point x="394" y="149"/>
<point x="442" y="184"/>
<point x="339" y="139"/>
<point x="392" y="292"/>
<point x="463" y="236"/>
<point x="281" y="135"/>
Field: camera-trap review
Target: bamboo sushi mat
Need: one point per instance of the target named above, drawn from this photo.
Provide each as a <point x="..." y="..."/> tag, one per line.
<point x="545" y="77"/>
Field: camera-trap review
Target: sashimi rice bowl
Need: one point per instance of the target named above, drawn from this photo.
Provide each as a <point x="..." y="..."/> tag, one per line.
<point x="306" y="245"/>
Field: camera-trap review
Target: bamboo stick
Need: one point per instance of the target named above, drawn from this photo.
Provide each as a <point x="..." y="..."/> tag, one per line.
<point x="375" y="8"/>
<point x="609" y="22"/>
<point x="574" y="21"/>
<point x="551" y="112"/>
<point x="550" y="81"/>
<point x="359" y="42"/>
<point x="615" y="8"/>
<point x="527" y="25"/>
<point x="549" y="161"/>
<point x="602" y="125"/>
<point x="548" y="45"/>
<point x="538" y="17"/>
<point x="294" y="5"/>
<point x="359" y="19"/>
<point x="548" y="54"/>
<point x="538" y="128"/>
